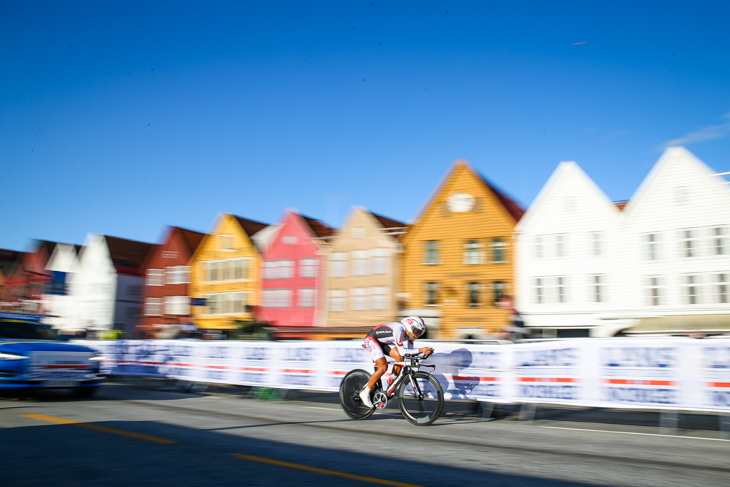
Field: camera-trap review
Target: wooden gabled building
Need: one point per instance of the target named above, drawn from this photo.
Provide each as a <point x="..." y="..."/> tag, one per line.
<point x="458" y="256"/>
<point x="166" y="286"/>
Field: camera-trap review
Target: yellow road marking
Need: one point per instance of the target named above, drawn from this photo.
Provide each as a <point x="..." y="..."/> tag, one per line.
<point x="96" y="427"/>
<point x="322" y="470"/>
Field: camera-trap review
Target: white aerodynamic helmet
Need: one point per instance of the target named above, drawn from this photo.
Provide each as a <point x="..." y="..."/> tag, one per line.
<point x="414" y="324"/>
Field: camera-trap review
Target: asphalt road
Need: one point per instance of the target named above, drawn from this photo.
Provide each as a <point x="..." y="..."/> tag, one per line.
<point x="134" y="436"/>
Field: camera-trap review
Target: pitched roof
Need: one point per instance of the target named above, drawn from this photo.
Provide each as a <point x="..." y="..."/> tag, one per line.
<point x="512" y="207"/>
<point x="9" y="259"/>
<point x="251" y="227"/>
<point x="319" y="228"/>
<point x="127" y="254"/>
<point x="388" y="222"/>
<point x="190" y="238"/>
<point x="47" y="245"/>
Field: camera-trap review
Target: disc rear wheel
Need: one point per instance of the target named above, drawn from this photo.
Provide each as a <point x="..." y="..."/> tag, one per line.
<point x="425" y="409"/>
<point x="350" y="389"/>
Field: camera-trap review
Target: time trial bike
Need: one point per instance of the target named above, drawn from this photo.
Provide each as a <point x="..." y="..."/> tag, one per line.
<point x="420" y="396"/>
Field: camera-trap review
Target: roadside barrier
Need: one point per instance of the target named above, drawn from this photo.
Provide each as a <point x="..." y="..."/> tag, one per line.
<point x="647" y="373"/>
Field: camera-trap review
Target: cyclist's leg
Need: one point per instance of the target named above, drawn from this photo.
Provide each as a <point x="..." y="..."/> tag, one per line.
<point x="376" y="353"/>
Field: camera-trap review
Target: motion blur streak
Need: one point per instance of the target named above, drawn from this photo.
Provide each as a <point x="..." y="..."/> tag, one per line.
<point x="322" y="471"/>
<point x="95" y="427"/>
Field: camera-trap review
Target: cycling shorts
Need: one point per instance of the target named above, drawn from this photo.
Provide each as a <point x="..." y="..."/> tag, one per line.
<point x="376" y="349"/>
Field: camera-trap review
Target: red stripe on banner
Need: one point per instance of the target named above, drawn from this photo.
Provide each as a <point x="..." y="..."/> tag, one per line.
<point x="337" y="372"/>
<point x="65" y="366"/>
<point x="179" y="365"/>
<point x="641" y="382"/>
<point x="548" y="379"/>
<point x="253" y="369"/>
<point x="479" y="379"/>
<point x="297" y="371"/>
<point x="218" y="367"/>
<point x="718" y="384"/>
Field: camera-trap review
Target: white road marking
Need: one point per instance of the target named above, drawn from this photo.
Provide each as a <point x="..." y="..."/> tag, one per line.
<point x="317" y="407"/>
<point x="633" y="433"/>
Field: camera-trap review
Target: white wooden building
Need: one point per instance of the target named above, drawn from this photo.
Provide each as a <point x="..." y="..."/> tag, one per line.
<point x="676" y="230"/>
<point x="659" y="266"/>
<point x="57" y="304"/>
<point x="106" y="291"/>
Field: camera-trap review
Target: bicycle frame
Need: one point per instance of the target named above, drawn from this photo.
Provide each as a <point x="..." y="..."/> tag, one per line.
<point x="409" y="368"/>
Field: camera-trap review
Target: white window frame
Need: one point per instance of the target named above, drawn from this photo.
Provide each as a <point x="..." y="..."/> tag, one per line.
<point x="338" y="264"/>
<point x="306" y="297"/>
<point x="155" y="277"/>
<point x="501" y="245"/>
<point x="692" y="289"/>
<point x="431" y="252"/>
<point x="689" y="243"/>
<point x="652" y="242"/>
<point x="153" y="307"/>
<point x="654" y="291"/>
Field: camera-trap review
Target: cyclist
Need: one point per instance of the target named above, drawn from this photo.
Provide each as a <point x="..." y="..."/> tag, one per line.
<point x="392" y="339"/>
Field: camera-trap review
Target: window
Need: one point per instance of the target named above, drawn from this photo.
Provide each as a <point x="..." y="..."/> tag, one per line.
<point x="169" y="254"/>
<point x="338" y="264"/>
<point x="177" y="305"/>
<point x="226" y="273"/>
<point x="213" y="304"/>
<point x="722" y="288"/>
<point x="178" y="274"/>
<point x="154" y="277"/>
<point x="153" y="306"/>
<point x="306" y="297"/>
<point x="358" y="299"/>
<point x="289" y="240"/>
<point x="596" y="247"/>
<point x="225" y="242"/>
<point x="597" y="285"/>
<point x="337" y="300"/>
<point x="499" y="251"/>
<point x="471" y="252"/>
<point x="431" y="252"/>
<point x="278" y="269"/>
<point x="560" y="246"/>
<point x="560" y="289"/>
<point x="718" y="241"/>
<point x="692" y="289"/>
<point x="277" y="298"/>
<point x="540" y="290"/>
<point x="498" y="287"/>
<point x="359" y="262"/>
<point x="380" y="297"/>
<point x="654" y="291"/>
<point x="240" y="269"/>
<point x="213" y="271"/>
<point x="430" y="293"/>
<point x="380" y="261"/>
<point x="539" y="251"/>
<point x="308" y="267"/>
<point x="689" y="243"/>
<point x="479" y="205"/>
<point x="652" y="246"/>
<point x="474" y="297"/>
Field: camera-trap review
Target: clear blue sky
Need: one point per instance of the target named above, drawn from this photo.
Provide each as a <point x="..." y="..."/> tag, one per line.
<point x="123" y="117"/>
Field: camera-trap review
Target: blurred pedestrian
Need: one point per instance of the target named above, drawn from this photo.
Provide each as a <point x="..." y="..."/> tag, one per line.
<point x="517" y="328"/>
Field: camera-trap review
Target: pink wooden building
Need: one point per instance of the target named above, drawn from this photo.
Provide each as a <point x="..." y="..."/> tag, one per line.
<point x="294" y="273"/>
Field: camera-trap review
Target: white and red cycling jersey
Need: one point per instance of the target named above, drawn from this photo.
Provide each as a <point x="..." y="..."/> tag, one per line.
<point x="383" y="338"/>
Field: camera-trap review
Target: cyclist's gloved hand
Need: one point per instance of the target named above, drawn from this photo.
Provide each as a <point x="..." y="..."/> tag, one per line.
<point x="426" y="351"/>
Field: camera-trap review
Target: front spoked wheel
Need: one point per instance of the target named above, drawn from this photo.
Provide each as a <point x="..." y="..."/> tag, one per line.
<point x="350" y="389"/>
<point x="424" y="405"/>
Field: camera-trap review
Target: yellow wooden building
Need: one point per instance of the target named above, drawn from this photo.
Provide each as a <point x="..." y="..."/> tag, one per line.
<point x="457" y="257"/>
<point x="225" y="273"/>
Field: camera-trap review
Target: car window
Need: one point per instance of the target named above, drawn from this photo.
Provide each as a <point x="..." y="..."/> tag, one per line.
<point x="22" y="330"/>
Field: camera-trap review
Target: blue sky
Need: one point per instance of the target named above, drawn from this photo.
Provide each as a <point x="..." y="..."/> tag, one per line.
<point x="123" y="117"/>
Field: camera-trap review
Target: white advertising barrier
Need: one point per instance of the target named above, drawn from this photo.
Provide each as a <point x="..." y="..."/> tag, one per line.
<point x="649" y="373"/>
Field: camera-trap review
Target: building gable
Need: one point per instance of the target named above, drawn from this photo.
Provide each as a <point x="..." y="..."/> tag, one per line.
<point x="569" y="201"/>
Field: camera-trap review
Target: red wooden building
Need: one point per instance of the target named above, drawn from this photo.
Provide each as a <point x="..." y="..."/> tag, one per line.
<point x="293" y="280"/>
<point x="167" y="278"/>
